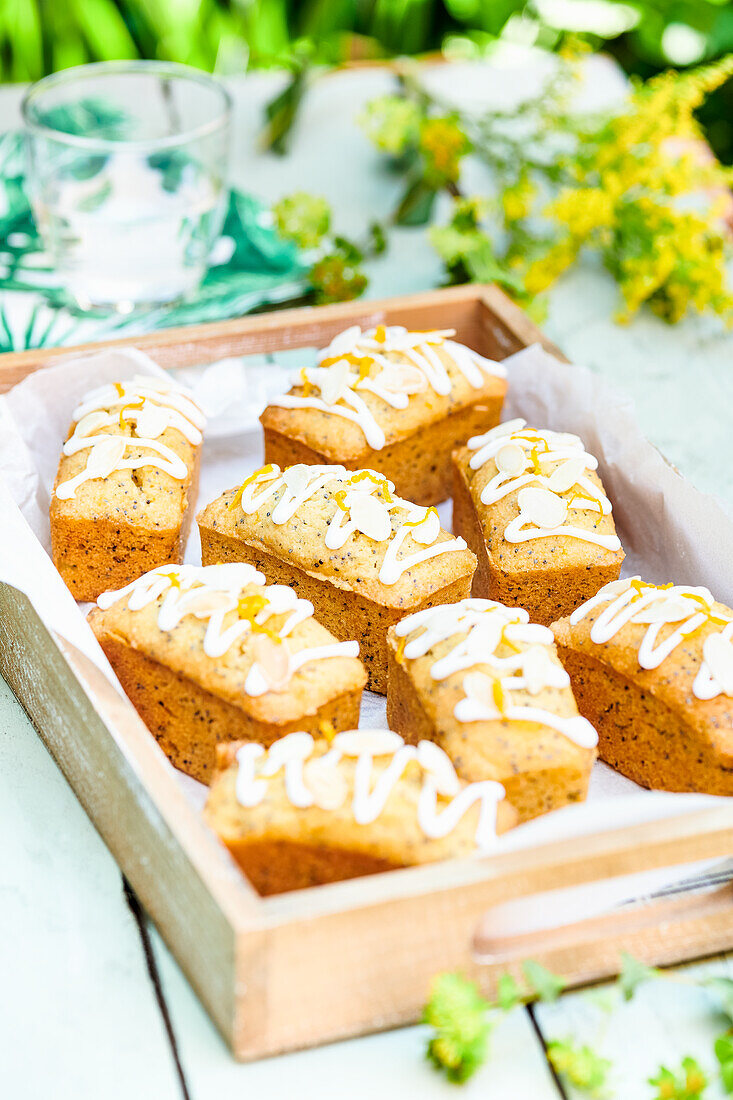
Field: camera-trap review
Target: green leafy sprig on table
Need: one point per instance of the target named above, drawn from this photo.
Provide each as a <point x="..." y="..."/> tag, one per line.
<point x="638" y="187"/>
<point x="462" y="1020"/>
<point x="335" y="274"/>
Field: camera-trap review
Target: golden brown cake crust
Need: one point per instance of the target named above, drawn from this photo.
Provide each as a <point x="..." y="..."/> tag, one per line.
<point x="650" y="724"/>
<point x="419" y="464"/>
<point x="191" y="701"/>
<point x="418" y="439"/>
<point x="342" y="584"/>
<point x="117" y="527"/>
<point x="548" y="576"/>
<point x="314" y="845"/>
<point x="540" y="768"/>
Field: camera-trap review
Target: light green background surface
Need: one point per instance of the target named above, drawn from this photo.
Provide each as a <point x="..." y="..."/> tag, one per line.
<point x="78" y="1016"/>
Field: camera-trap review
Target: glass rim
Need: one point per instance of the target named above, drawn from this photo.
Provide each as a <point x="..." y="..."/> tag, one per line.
<point x="165" y="69"/>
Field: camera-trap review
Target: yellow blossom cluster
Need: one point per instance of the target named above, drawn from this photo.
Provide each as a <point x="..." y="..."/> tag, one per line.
<point x="647" y="195"/>
<point x="442" y="144"/>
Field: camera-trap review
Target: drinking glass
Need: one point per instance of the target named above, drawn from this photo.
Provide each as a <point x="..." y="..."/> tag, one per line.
<point x="127" y="178"/>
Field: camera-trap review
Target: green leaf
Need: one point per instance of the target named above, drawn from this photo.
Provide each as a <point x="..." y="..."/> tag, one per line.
<point x="722" y="991"/>
<point x="633" y="973"/>
<point x="724" y="1053"/>
<point x="546" y="985"/>
<point x="416" y="205"/>
<point x="688" y="1083"/>
<point x="508" y="993"/>
<point x="458" y="1014"/>
<point x="281" y="112"/>
<point x="579" y="1065"/>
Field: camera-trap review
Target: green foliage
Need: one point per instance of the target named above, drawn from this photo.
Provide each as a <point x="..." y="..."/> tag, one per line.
<point x="508" y="993"/>
<point x="634" y="186"/>
<point x="687" y="1083"/>
<point x="632" y="974"/>
<point x="302" y="218"/>
<point x="723" y="1050"/>
<point x="542" y="982"/>
<point x="580" y="1066"/>
<point x="722" y="992"/>
<point x="458" y="1015"/>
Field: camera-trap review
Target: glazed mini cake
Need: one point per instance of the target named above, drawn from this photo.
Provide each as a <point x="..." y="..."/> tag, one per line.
<point x="652" y="668"/>
<point x="532" y="508"/>
<point x="126" y="482"/>
<point x="363" y="556"/>
<point x="308" y="812"/>
<point x="487" y="686"/>
<point x="213" y="654"/>
<point x="387" y="398"/>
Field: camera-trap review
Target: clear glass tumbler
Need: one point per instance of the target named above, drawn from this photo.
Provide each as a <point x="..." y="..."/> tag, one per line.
<point x="127" y="177"/>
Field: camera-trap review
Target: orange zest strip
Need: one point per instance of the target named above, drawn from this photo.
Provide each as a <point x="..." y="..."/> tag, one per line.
<point x="417" y="522"/>
<point x="120" y="389"/>
<point x="173" y="577"/>
<point x="380" y="334"/>
<point x="340" y="497"/>
<point x="137" y="405"/>
<point x="499" y="696"/>
<point x="265" y="471"/>
<point x="308" y="386"/>
<point x="380" y="481"/>
<point x="327" y="730"/>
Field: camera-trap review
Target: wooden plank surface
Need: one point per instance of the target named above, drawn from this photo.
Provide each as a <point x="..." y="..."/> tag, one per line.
<point x="678" y="379"/>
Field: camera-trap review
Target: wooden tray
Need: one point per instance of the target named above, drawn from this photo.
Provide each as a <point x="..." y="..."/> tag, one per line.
<point x="338" y="960"/>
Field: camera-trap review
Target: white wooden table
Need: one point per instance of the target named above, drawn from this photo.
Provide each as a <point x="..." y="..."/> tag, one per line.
<point x="81" y="1016"/>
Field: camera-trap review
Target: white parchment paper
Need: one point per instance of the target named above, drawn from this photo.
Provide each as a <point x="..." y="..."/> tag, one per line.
<point x="669" y="530"/>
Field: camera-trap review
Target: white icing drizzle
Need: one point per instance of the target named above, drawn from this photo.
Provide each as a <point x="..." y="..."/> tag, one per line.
<point x="519" y="453"/>
<point x="149" y="403"/>
<point x="362" y="502"/>
<point x="339" y="380"/>
<point x="211" y="593"/>
<point x="684" y="608"/>
<point x="319" y="782"/>
<point x="487" y="625"/>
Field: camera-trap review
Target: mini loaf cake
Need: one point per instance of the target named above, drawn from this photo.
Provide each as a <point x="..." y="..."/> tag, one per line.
<point x="532" y="508"/>
<point x="652" y="668"/>
<point x="486" y="685"/>
<point x="213" y="654"/>
<point x="396" y="400"/>
<point x="126" y="482"/>
<point x="363" y="556"/>
<point x="308" y="812"/>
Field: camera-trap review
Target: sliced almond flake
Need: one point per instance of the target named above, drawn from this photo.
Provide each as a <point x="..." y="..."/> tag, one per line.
<point x="566" y="475"/>
<point x="426" y="533"/>
<point x="343" y="343"/>
<point x="91" y="423"/>
<point x="297" y="477"/>
<point x="372" y="742"/>
<point x="538" y="669"/>
<point x="479" y="686"/>
<point x="718" y="654"/>
<point x="439" y="766"/>
<point x="370" y="515"/>
<point x="334" y="381"/>
<point x="202" y="602"/>
<point x="671" y="609"/>
<point x="507" y="428"/>
<point x="401" y="378"/>
<point x="105" y="455"/>
<point x="511" y="459"/>
<point x="151" y="421"/>
<point x="542" y="508"/>
<point x="273" y="661"/>
<point x="326" y="783"/>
